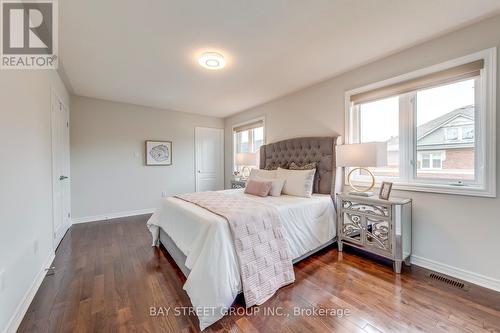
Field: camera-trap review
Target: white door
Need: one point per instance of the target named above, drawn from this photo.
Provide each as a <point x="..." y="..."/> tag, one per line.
<point x="209" y="155"/>
<point x="60" y="170"/>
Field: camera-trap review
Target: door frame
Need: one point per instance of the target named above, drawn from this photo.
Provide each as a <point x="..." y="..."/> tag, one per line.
<point x="56" y="98"/>
<point x="221" y="157"/>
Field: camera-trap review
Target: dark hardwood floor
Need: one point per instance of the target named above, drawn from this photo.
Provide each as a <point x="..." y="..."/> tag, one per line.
<point x="108" y="276"/>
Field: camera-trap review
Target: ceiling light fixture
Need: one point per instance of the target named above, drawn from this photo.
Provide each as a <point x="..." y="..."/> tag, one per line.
<point x="212" y="60"/>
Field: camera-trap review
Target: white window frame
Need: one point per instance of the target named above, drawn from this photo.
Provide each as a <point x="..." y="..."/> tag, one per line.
<point x="254" y="120"/>
<point x="485" y="125"/>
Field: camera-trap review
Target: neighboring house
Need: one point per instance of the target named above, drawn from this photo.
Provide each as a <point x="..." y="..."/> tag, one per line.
<point x="445" y="146"/>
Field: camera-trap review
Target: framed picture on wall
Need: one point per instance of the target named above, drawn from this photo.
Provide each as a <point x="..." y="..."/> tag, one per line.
<point x="158" y="152"/>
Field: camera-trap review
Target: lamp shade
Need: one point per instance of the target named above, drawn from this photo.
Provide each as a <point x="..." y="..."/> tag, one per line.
<point x="373" y="154"/>
<point x="246" y="159"/>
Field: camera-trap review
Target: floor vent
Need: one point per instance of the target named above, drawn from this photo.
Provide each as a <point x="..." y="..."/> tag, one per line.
<point x="449" y="281"/>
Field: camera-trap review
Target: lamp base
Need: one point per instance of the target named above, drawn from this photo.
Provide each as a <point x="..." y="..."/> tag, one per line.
<point x="361" y="194"/>
<point x="360" y="191"/>
<point x="245" y="172"/>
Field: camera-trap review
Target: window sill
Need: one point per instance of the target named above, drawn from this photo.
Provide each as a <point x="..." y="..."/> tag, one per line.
<point x="466" y="190"/>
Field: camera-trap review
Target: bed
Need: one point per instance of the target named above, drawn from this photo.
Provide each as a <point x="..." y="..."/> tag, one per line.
<point x="201" y="244"/>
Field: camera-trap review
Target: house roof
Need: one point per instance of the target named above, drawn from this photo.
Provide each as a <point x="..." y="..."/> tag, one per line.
<point x="430" y="126"/>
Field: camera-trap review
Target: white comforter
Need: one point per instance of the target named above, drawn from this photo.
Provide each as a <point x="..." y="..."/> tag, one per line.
<point x="205" y="239"/>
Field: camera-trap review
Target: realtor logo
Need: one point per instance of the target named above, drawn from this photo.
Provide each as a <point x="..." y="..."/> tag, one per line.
<point x="29" y="34"/>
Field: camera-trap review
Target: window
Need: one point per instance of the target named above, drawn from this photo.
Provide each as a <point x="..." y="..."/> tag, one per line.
<point x="443" y="113"/>
<point x="436" y="125"/>
<point x="451" y="134"/>
<point x="430" y="160"/>
<point x="370" y="129"/>
<point x="468" y="133"/>
<point x="248" y="138"/>
<point x="460" y="133"/>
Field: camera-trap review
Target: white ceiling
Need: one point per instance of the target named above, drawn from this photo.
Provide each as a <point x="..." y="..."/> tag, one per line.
<point x="145" y="52"/>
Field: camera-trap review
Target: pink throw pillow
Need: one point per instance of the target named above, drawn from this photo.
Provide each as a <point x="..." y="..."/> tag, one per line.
<point x="259" y="188"/>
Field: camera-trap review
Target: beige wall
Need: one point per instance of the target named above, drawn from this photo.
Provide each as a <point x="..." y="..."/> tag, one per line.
<point x="458" y="231"/>
<point x="25" y="183"/>
<point x="108" y="172"/>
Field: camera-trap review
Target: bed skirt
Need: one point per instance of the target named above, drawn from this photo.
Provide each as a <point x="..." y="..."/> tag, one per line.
<point x="180" y="258"/>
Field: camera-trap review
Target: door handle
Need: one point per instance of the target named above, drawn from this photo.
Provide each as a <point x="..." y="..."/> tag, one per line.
<point x="63" y="177"/>
<point x="199" y="171"/>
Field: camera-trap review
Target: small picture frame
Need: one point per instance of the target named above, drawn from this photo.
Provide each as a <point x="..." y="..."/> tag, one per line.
<point x="385" y="190"/>
<point x="158" y="153"/>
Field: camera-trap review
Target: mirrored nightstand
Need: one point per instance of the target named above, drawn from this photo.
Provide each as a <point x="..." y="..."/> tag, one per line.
<point x="238" y="183"/>
<point x="381" y="227"/>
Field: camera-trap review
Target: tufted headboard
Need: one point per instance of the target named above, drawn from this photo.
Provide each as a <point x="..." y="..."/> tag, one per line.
<point x="301" y="151"/>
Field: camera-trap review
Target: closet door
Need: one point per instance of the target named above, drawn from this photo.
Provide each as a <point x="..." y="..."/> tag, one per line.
<point x="61" y="202"/>
<point x="209" y="159"/>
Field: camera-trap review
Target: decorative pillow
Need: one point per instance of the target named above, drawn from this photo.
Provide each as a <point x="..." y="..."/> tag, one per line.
<point x="270" y="166"/>
<point x="258" y="188"/>
<point x="276" y="187"/>
<point x="267" y="174"/>
<point x="297" y="182"/>
<point x="308" y="166"/>
<point x="275" y="165"/>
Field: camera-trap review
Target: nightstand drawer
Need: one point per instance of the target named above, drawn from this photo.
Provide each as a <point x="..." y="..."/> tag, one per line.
<point x="376" y="210"/>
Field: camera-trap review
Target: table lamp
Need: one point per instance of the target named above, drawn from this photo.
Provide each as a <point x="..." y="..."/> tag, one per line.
<point x="361" y="156"/>
<point x="244" y="160"/>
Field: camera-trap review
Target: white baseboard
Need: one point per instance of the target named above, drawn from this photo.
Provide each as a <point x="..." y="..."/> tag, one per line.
<point x="112" y="216"/>
<point x="462" y="274"/>
<point x="23" y="306"/>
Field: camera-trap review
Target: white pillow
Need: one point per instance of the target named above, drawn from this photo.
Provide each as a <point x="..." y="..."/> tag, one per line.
<point x="267" y="174"/>
<point x="297" y="182"/>
<point x="276" y="186"/>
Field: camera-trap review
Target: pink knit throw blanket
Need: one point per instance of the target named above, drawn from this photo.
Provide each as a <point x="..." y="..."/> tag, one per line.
<point x="258" y="235"/>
